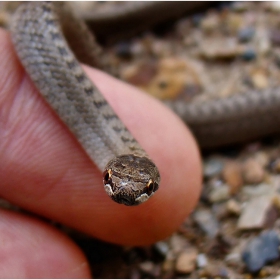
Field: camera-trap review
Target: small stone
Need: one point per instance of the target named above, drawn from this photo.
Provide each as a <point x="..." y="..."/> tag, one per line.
<point x="262" y="158"/>
<point x="123" y="50"/>
<point x="233" y="207"/>
<point x="162" y="248"/>
<point x="210" y="23"/>
<point x="147" y="267"/>
<point x="263" y="41"/>
<point x="220" y="49"/>
<point x="212" y="167"/>
<point x="218" y="194"/>
<point x="246" y="34"/>
<point x="233" y="258"/>
<point x="207" y="222"/>
<point x="248" y="55"/>
<point x="259" y="79"/>
<point x="253" y="172"/>
<point x="234" y="22"/>
<point x="168" y="265"/>
<point x="219" y="210"/>
<point x="233" y="176"/>
<point x="178" y="243"/>
<point x="261" y="250"/>
<point x="255" y="213"/>
<point x="186" y="261"/>
<point x="201" y="260"/>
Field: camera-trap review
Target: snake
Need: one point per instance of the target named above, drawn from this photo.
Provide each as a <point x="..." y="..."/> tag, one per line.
<point x="51" y="42"/>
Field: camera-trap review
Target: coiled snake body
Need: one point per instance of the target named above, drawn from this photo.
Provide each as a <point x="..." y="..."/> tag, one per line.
<point x="40" y="32"/>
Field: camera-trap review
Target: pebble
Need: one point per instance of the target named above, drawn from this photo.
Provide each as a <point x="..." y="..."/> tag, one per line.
<point x="201" y="260"/>
<point x="162" y="248"/>
<point x="259" y="79"/>
<point x="262" y="158"/>
<point x="253" y="172"/>
<point x="232" y="175"/>
<point x="233" y="258"/>
<point x="212" y="166"/>
<point x="149" y="268"/>
<point x="207" y="222"/>
<point x="168" y="265"/>
<point x="234" y="22"/>
<point x="178" y="243"/>
<point x="261" y="250"/>
<point x="248" y="55"/>
<point x="219" y="193"/>
<point x="210" y="23"/>
<point x="123" y="50"/>
<point x="233" y="207"/>
<point x="186" y="261"/>
<point x="246" y="34"/>
<point x="255" y="213"/>
<point x="220" y="49"/>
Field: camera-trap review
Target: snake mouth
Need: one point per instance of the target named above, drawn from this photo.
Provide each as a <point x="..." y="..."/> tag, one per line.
<point x="126" y="200"/>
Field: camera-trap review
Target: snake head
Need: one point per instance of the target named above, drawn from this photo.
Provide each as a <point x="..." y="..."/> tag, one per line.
<point x="131" y="179"/>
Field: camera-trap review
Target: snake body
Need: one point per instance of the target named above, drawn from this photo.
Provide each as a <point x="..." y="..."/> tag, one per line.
<point x="40" y="31"/>
<point x="130" y="177"/>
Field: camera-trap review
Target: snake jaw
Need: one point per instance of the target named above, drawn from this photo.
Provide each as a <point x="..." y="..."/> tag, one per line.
<point x="130" y="179"/>
<point x="108" y="190"/>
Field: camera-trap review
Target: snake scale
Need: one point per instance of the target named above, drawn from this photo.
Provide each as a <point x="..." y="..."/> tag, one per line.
<point x="45" y="37"/>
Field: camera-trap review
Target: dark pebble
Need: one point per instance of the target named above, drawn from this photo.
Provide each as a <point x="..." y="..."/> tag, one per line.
<point x="261" y="250"/>
<point x="196" y="19"/>
<point x="246" y="34"/>
<point x="123" y="50"/>
<point x="248" y="55"/>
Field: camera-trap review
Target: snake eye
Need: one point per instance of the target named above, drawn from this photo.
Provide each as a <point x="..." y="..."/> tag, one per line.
<point x="107" y="176"/>
<point x="151" y="186"/>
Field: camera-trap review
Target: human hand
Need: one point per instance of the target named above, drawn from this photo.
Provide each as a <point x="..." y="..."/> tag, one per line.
<point x="44" y="169"/>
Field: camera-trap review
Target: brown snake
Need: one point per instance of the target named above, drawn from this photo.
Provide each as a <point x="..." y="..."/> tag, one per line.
<point x="40" y="32"/>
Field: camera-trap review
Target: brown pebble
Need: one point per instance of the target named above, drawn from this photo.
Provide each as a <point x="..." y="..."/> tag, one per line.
<point x="186" y="261"/>
<point x="253" y="172"/>
<point x="259" y="79"/>
<point x="178" y="243"/>
<point x="173" y="77"/>
<point x="232" y="174"/>
<point x="233" y="207"/>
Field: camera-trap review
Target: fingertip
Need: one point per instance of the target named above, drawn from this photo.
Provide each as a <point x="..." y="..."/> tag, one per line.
<point x="32" y="249"/>
<point x="174" y="150"/>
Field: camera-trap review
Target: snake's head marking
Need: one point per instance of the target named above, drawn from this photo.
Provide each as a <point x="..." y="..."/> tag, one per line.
<point x="131" y="179"/>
